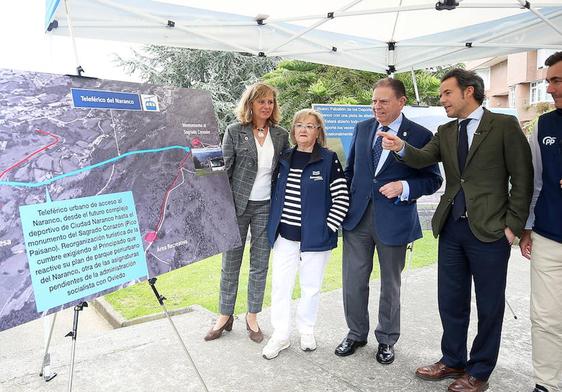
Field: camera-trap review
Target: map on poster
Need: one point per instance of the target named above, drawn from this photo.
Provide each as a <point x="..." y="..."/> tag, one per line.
<point x="126" y="148"/>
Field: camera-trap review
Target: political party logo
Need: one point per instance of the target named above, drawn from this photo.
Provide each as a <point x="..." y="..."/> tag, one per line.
<point x="150" y="103"/>
<point x="549" y="140"/>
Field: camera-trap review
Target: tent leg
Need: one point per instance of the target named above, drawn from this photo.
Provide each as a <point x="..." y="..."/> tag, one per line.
<point x="79" y="68"/>
<point x="415" y="87"/>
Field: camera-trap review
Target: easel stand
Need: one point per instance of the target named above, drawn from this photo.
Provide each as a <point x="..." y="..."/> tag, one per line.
<point x="511" y="309"/>
<point x="410" y="250"/>
<point x="45" y="371"/>
<point x="161" y="298"/>
<point x="73" y="334"/>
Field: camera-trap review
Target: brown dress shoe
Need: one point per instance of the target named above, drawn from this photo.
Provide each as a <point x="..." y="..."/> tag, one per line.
<point x="467" y="383"/>
<point x="255" y="336"/>
<point x="217" y="333"/>
<point x="438" y="371"/>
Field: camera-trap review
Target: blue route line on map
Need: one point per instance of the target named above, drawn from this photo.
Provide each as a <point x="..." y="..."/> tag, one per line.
<point x="75" y="172"/>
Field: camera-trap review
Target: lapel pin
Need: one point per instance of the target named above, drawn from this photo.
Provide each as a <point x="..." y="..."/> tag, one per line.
<point x="405" y="134"/>
<point x="246" y="138"/>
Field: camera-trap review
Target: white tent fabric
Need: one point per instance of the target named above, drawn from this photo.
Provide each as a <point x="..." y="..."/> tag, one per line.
<point x="390" y="45"/>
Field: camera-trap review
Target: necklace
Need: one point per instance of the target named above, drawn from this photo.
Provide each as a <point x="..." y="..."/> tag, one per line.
<point x="261" y="133"/>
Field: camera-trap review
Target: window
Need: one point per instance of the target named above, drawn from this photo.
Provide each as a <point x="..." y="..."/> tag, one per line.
<point x="484" y="73"/>
<point x="542" y="55"/>
<point x="538" y="92"/>
<point x="512" y="96"/>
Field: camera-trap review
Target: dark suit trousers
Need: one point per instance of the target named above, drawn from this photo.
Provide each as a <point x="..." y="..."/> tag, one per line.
<point x="358" y="251"/>
<point x="462" y="258"/>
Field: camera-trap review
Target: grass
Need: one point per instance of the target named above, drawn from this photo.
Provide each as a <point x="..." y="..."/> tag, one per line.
<point x="198" y="283"/>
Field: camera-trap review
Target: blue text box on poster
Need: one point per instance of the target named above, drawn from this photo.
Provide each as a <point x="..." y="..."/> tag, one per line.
<point x="80" y="247"/>
<point x="340" y="121"/>
<point x="103" y="99"/>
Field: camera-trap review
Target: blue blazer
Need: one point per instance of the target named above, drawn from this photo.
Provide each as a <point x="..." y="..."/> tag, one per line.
<point x="396" y="222"/>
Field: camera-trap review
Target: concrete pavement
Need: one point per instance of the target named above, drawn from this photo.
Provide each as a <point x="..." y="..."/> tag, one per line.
<point x="148" y="357"/>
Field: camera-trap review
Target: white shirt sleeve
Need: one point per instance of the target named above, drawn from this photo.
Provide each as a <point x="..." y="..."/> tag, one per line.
<point x="405" y="191"/>
<point x="537" y="168"/>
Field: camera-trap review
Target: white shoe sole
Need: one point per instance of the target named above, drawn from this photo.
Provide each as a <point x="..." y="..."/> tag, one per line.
<point x="285" y="346"/>
<point x="309" y="347"/>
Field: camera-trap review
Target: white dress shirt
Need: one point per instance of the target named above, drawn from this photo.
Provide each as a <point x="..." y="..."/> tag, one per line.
<point x="261" y="190"/>
<point x="393" y="128"/>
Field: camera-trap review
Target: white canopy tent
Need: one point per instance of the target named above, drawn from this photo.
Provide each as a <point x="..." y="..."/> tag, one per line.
<point x="383" y="36"/>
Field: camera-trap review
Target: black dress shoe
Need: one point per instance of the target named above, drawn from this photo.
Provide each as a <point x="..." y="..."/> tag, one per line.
<point x="348" y="346"/>
<point x="385" y="354"/>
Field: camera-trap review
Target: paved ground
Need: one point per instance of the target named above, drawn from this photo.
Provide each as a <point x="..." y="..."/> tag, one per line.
<point x="147" y="357"/>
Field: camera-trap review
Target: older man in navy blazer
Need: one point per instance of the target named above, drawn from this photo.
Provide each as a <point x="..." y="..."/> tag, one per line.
<point x="382" y="216"/>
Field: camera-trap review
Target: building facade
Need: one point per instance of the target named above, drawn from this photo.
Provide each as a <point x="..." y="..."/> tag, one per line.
<point x="516" y="81"/>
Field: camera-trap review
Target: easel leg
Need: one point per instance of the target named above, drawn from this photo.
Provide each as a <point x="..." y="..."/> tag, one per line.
<point x="161" y="298"/>
<point x="410" y="250"/>
<point x="45" y="371"/>
<point x="73" y="334"/>
<point x="511" y="309"/>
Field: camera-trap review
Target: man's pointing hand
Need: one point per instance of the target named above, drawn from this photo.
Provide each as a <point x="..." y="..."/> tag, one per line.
<point x="391" y="142"/>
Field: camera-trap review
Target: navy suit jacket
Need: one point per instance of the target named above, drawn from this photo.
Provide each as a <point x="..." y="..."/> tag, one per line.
<point x="396" y="222"/>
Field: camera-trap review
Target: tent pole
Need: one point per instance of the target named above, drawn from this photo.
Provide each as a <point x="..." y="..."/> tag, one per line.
<point x="164" y="22"/>
<point x="475" y="44"/>
<point x="415" y="87"/>
<point x="328" y="49"/>
<point x="345" y="13"/>
<point x="312" y="41"/>
<point x="439" y="53"/>
<point x="326" y="18"/>
<point x="396" y="22"/>
<point x="408" y="8"/>
<point x="540" y="16"/>
<point x="79" y="68"/>
<point x="381" y="66"/>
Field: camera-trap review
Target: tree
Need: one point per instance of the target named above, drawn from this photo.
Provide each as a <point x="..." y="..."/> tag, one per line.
<point x="224" y="74"/>
<point x="428" y="87"/>
<point x="302" y="84"/>
<point x="540" y="109"/>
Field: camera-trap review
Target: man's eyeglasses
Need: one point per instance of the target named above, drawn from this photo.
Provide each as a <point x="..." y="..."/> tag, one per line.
<point x="308" y="127"/>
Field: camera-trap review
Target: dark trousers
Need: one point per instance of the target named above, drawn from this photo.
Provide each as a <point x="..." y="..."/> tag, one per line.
<point x="462" y="259"/>
<point x="358" y="250"/>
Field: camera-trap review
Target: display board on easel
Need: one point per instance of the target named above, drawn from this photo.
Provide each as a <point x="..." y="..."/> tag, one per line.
<point x="98" y="188"/>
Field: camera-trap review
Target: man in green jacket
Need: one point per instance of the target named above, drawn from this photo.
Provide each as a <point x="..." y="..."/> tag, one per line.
<point x="489" y="183"/>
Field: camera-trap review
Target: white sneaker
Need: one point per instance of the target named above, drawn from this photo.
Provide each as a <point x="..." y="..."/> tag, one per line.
<point x="274" y="347"/>
<point x="308" y="343"/>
